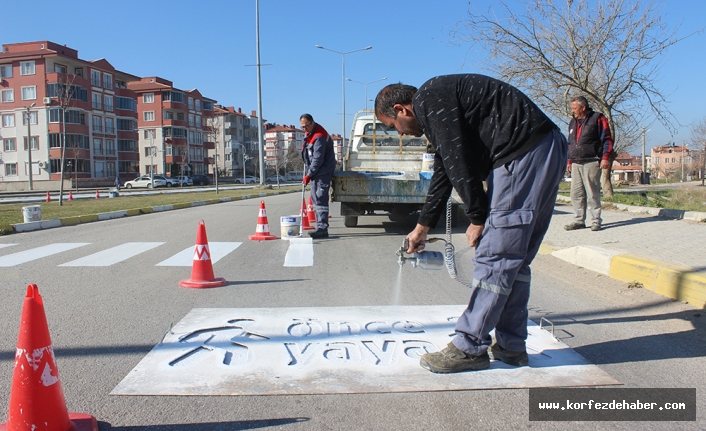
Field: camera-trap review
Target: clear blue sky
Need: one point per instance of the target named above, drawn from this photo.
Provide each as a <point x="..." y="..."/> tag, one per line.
<point x="208" y="45"/>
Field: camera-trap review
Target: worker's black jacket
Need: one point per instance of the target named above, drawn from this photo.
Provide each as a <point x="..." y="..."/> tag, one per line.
<point x="476" y="124"/>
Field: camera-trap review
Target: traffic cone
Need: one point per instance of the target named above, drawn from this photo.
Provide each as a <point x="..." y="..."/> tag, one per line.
<point x="262" y="231"/>
<point x="202" y="269"/>
<point x="310" y="211"/>
<point x="305" y="217"/>
<point x="98" y="196"/>
<point x="71" y="195"/>
<point x="36" y="398"/>
<point x="48" y="197"/>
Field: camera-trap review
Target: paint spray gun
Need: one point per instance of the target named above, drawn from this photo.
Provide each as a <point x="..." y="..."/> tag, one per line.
<point x="423" y="259"/>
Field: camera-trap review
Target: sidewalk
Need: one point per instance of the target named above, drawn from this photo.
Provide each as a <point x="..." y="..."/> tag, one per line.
<point x="664" y="255"/>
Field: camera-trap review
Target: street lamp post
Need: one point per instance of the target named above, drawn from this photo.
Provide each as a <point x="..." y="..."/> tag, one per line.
<point x="151" y="156"/>
<point x="343" y="91"/>
<point x="366" y="88"/>
<point x="29" y="143"/>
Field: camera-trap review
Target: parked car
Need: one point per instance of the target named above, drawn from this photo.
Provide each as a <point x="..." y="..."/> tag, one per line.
<point x="185" y="180"/>
<point x="249" y="179"/>
<point x="146" y="181"/>
<point x="168" y="181"/>
<point x="295" y="175"/>
<point x="201" y="180"/>
<point x="273" y="179"/>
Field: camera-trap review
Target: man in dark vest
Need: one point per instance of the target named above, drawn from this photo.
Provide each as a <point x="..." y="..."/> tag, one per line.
<point x="319" y="162"/>
<point x="590" y="148"/>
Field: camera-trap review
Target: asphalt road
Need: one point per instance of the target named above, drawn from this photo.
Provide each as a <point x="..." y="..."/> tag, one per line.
<point x="104" y="320"/>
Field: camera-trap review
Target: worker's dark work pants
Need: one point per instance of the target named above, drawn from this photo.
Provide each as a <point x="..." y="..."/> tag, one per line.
<point x="319" y="195"/>
<point x="522" y="196"/>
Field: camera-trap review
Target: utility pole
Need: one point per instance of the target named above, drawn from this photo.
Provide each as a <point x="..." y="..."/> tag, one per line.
<point x="29" y="143"/>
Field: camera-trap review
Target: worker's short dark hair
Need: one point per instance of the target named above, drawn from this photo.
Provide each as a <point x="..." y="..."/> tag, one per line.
<point x="391" y="95"/>
<point x="582" y="101"/>
<point x="308" y="118"/>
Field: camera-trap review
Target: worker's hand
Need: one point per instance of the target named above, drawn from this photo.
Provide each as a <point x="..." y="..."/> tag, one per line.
<point x="306" y="179"/>
<point x="473" y="234"/>
<point x="416" y="238"/>
<point x="605" y="164"/>
<point x="568" y="168"/>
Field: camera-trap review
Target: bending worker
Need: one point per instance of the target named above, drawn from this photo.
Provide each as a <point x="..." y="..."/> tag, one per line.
<point x="319" y="164"/>
<point x="484" y="129"/>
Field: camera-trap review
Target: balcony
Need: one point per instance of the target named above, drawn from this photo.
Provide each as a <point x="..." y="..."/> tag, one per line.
<point x="209" y="145"/>
<point x="173" y="122"/>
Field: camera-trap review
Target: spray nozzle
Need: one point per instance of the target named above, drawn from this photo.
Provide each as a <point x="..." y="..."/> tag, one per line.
<point x="423" y="259"/>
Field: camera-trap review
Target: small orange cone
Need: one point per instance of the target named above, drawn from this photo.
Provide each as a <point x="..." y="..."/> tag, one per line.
<point x="305" y="217"/>
<point x="36" y="398"/>
<point x="71" y="195"/>
<point x="48" y="197"/>
<point x="202" y="269"/>
<point x="98" y="196"/>
<point x="310" y="211"/>
<point x="262" y="231"/>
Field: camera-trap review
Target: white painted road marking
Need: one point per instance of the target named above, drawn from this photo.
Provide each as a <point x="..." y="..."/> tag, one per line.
<point x="114" y="255"/>
<point x="38" y="253"/>
<point x="6" y="245"/>
<point x="186" y="257"/>
<point x="300" y="252"/>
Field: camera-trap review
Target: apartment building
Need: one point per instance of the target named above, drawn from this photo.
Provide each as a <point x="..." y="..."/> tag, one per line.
<point x="237" y="137"/>
<point x="278" y="139"/>
<point x="46" y="90"/>
<point x="670" y="161"/>
<point x="174" y="131"/>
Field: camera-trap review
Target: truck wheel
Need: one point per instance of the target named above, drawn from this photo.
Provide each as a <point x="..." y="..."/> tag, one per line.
<point x="350" y="221"/>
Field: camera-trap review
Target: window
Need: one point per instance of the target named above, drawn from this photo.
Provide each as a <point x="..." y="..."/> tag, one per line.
<point x="150" y="151"/>
<point x="8" y="120"/>
<point x="127" y="124"/>
<point x="55" y="115"/>
<point x="108" y="103"/>
<point x="168" y="115"/>
<point x="191" y="137"/>
<point x="198" y="121"/>
<point x="72" y="141"/>
<point x="129" y="167"/>
<point x="109" y="128"/>
<point x="110" y="148"/>
<point x="59" y="68"/>
<point x="11" y="169"/>
<point x="148" y="115"/>
<point x="191" y="119"/>
<point x="107" y="81"/>
<point x="674" y="160"/>
<point x="126" y="103"/>
<point x="35" y="143"/>
<point x="10" y="144"/>
<point x="96" y="98"/>
<point x="198" y="105"/>
<point x="98" y="147"/>
<point x="656" y="160"/>
<point x="32" y="118"/>
<point x="29" y="93"/>
<point x="60" y="90"/>
<point x="27" y="68"/>
<point x="149" y="133"/>
<point x="97" y="124"/>
<point x="78" y="71"/>
<point x="148" y="98"/>
<point x="5" y="71"/>
<point x="74" y="117"/>
<point x="128" y="145"/>
<point x="95" y="78"/>
<point x="173" y="96"/>
<point x="207" y="106"/>
<point x="191" y="103"/>
<point x="8" y="95"/>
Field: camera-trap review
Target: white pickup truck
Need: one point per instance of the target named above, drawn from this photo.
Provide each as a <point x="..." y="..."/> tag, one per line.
<point x="383" y="171"/>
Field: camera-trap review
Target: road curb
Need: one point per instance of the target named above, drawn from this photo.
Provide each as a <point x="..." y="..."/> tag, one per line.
<point x="696" y="216"/>
<point x="673" y="281"/>
<point x="75" y="220"/>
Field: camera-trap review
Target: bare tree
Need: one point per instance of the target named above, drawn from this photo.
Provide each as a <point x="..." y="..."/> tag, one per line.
<point x="698" y="138"/>
<point x="609" y="51"/>
<point x="66" y="97"/>
<point x="294" y="159"/>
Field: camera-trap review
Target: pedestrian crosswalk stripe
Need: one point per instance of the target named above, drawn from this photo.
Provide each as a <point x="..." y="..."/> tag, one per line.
<point x="114" y="255"/>
<point x="6" y="245"/>
<point x="38" y="253"/>
<point x="300" y="252"/>
<point x="186" y="257"/>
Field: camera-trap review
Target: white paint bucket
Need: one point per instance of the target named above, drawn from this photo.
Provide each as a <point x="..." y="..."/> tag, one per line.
<point x="33" y="213"/>
<point x="289" y="226"/>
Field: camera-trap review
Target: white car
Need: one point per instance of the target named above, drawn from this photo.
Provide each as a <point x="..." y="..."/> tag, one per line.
<point x="185" y="180"/>
<point x="145" y="181"/>
<point x="273" y="179"/>
<point x="249" y="179"/>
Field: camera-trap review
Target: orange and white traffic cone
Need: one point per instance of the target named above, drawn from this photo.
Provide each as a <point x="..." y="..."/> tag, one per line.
<point x="71" y="195"/>
<point x="98" y="196"/>
<point x="202" y="269"/>
<point x="305" y="217"/>
<point x="262" y="231"/>
<point x="48" y="197"/>
<point x="36" y="398"/>
<point x="310" y="211"/>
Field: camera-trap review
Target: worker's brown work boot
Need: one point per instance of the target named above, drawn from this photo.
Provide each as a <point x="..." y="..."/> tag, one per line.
<point x="510" y="357"/>
<point x="453" y="360"/>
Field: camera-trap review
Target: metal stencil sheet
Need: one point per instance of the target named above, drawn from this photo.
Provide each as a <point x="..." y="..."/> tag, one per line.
<point x="331" y="350"/>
